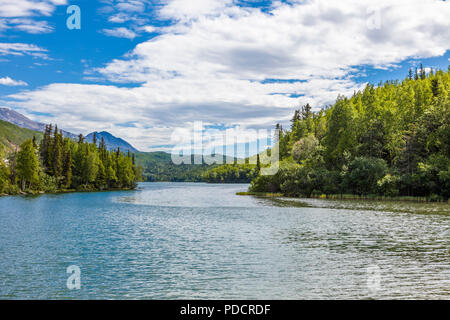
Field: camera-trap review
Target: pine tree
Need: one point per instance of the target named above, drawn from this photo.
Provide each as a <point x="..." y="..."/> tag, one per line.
<point x="57" y="155"/>
<point x="258" y="164"/>
<point x="67" y="168"/>
<point x="44" y="147"/>
<point x="27" y="165"/>
<point x="306" y="112"/>
<point x="102" y="150"/>
<point x="422" y="72"/>
<point x="295" y="118"/>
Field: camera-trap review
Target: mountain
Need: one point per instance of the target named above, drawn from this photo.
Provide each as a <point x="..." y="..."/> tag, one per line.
<point x="12" y="136"/>
<point x="21" y="121"/>
<point x="112" y="142"/>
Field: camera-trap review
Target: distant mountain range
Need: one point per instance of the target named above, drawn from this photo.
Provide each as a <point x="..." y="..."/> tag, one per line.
<point x="112" y="142"/>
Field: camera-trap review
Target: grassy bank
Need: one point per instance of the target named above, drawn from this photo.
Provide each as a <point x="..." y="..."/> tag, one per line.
<point x="37" y="193"/>
<point x="349" y="197"/>
<point x="260" y="194"/>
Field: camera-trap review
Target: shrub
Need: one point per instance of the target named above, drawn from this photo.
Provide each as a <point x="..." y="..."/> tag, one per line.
<point x="363" y="175"/>
<point x="304" y="148"/>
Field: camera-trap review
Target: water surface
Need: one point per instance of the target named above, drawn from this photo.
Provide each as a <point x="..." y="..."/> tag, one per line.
<point x="184" y="241"/>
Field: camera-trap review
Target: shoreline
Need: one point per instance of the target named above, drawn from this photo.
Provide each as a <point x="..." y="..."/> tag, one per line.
<point x="346" y="197"/>
<point x="40" y="193"/>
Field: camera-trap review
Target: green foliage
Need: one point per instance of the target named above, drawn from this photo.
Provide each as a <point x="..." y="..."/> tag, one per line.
<point x="27" y="166"/>
<point x="389" y="140"/>
<point x="363" y="175"/>
<point x="305" y="148"/>
<point x="265" y="184"/>
<point x="387" y="185"/>
<point x="4" y="177"/>
<point x="63" y="164"/>
<point x="231" y="173"/>
<point x="47" y="183"/>
<point x="12" y="136"/>
<point x="158" y="166"/>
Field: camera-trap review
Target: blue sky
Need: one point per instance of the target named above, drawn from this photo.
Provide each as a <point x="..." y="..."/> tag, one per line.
<point x="141" y="69"/>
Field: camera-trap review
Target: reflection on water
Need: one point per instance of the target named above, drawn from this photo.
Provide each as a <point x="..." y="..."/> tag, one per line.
<point x="181" y="240"/>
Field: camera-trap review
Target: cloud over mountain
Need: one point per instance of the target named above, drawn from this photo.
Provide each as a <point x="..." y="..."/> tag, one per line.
<point x="220" y="62"/>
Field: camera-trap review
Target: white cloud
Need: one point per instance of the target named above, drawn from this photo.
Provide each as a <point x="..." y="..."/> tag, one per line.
<point x="24" y="8"/>
<point x="211" y="65"/>
<point x="149" y="29"/>
<point x="7" y="81"/>
<point x="120" y="32"/>
<point x="20" y="14"/>
<point x="30" y="26"/>
<point x="132" y="15"/>
<point x="177" y="9"/>
<point x="311" y="39"/>
<point x="131" y="6"/>
<point x="20" y="49"/>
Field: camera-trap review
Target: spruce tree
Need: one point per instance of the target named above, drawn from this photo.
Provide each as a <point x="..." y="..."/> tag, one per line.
<point x="67" y="168"/>
<point x="258" y="164"/>
<point x="57" y="155"/>
<point x="422" y="72"/>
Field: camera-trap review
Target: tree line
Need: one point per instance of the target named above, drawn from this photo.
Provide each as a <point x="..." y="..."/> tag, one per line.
<point x="387" y="140"/>
<point x="231" y="173"/>
<point x="60" y="164"/>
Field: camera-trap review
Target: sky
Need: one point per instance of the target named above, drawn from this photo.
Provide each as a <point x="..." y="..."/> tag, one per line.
<point x="143" y="69"/>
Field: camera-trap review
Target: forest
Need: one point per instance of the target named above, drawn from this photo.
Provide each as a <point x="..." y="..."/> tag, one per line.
<point x="158" y="167"/>
<point x="59" y="164"/>
<point x="388" y="140"/>
<point x="231" y="173"/>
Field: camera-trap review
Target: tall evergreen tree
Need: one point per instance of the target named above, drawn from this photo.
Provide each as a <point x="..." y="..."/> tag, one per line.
<point x="57" y="154"/>
<point x="422" y="72"/>
<point x="67" y="167"/>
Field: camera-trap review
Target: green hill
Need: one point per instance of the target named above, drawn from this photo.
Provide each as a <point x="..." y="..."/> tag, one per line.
<point x="158" y="166"/>
<point x="12" y="136"/>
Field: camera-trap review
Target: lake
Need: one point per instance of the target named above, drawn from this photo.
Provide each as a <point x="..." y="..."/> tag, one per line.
<point x="202" y="241"/>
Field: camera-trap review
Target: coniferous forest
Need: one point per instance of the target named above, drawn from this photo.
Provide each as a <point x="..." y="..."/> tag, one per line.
<point x="387" y="140"/>
<point x="61" y="164"/>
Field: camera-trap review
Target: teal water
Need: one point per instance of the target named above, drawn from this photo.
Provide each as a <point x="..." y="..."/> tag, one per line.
<point x="199" y="241"/>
